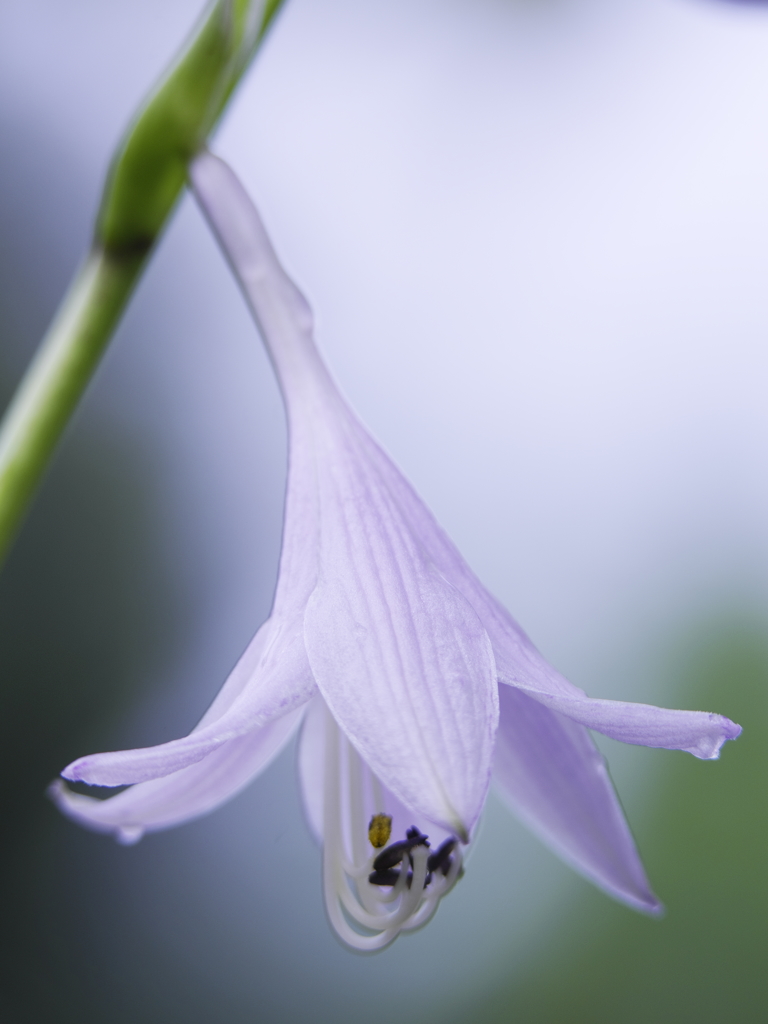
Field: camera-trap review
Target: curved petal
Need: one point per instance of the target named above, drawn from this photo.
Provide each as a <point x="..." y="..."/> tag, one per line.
<point x="399" y="655"/>
<point x="271" y="679"/>
<point x="549" y="772"/>
<point x="698" y="732"/>
<point x="183" y="795"/>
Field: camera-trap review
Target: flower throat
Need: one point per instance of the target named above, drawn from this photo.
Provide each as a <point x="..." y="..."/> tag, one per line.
<point x="374" y="889"/>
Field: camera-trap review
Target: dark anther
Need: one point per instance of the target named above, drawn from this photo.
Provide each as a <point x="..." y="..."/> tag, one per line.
<point x="416" y="838"/>
<point x="440" y="860"/>
<point x="391" y="855"/>
<point x="395" y="852"/>
<point x="384" y="864"/>
<point x="383" y="877"/>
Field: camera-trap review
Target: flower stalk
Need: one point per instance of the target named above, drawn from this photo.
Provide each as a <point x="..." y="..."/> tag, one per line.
<point x="145" y="180"/>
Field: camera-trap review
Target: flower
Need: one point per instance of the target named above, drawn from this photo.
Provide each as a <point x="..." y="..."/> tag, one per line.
<point x="412" y="681"/>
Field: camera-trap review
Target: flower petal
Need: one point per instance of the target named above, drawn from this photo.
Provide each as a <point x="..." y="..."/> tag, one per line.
<point x="399" y="655"/>
<point x="185" y="794"/>
<point x="556" y="782"/>
<point x="698" y="732"/>
<point x="271" y="679"/>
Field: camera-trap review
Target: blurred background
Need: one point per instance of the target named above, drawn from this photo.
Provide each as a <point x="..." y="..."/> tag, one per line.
<point x="534" y="234"/>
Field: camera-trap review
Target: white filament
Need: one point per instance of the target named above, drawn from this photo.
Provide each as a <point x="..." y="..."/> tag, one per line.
<point x="368" y="917"/>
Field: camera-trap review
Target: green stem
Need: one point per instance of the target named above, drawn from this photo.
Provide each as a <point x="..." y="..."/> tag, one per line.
<point x="143" y="185"/>
<point x="56" y="379"/>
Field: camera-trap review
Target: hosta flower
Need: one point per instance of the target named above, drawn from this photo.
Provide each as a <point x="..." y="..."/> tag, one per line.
<point x="413" y="683"/>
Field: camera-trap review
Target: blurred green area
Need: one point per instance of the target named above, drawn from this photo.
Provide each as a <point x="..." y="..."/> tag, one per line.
<point x="705" y="845"/>
<point x="87" y="612"/>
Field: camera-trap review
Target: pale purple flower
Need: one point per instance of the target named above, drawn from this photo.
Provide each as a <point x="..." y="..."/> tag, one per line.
<point x="412" y="681"/>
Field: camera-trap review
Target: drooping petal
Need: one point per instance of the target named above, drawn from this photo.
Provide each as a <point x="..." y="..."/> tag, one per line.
<point x="270" y="680"/>
<point x="698" y="732"/>
<point x="399" y="655"/>
<point x="183" y="795"/>
<point x="551" y="775"/>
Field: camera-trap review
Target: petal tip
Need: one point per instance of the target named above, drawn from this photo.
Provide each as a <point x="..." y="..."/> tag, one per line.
<point x="82" y="770"/>
<point x="643" y="900"/>
<point x="129" y="835"/>
<point x="732" y="729"/>
<point x="109" y="770"/>
<point x="727" y="730"/>
<point x="653" y="908"/>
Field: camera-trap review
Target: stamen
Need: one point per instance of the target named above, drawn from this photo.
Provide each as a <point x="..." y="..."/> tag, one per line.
<point x="441" y="858"/>
<point x="395" y="853"/>
<point x="371" y="897"/>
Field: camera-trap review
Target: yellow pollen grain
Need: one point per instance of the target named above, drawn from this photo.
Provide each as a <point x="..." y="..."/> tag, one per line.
<point x="379" y="830"/>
